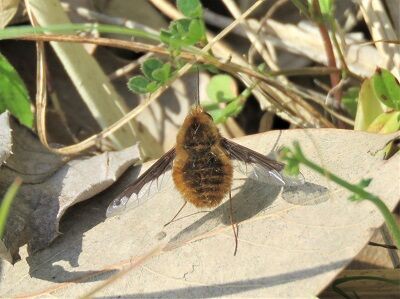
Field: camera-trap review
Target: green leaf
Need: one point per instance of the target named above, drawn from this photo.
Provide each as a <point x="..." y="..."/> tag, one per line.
<point x="162" y="74"/>
<point x="292" y="164"/>
<point x="190" y="8"/>
<point x="188" y="31"/>
<point x="165" y="36"/>
<point x="292" y="169"/>
<point x="326" y="7"/>
<point x="13" y="94"/>
<point x="180" y="27"/>
<point x="364" y="183"/>
<point x="152" y="86"/>
<point x="368" y="107"/>
<point x="349" y="100"/>
<point x="387" y="122"/>
<point x="196" y="31"/>
<point x="170" y="40"/>
<point x="386" y="88"/>
<point x="150" y="65"/>
<point x="354" y="197"/>
<point x="138" y="84"/>
<point x="173" y="37"/>
<point x="2" y="105"/>
<point x="183" y="32"/>
<point x="222" y="88"/>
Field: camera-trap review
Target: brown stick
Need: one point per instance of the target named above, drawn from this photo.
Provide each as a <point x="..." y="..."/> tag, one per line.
<point x="335" y="76"/>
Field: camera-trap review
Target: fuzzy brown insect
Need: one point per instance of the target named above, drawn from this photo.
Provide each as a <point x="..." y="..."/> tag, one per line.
<point x="202" y="165"/>
<point x="202" y="169"/>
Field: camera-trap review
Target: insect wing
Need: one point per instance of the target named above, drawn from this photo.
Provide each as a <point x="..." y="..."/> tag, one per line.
<point x="259" y="173"/>
<point x="144" y="187"/>
<point x="259" y="167"/>
<point x="275" y="177"/>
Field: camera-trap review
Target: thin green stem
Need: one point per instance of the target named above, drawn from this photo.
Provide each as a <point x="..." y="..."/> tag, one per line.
<point x="19" y="31"/>
<point x="390" y="220"/>
<point x="6" y="203"/>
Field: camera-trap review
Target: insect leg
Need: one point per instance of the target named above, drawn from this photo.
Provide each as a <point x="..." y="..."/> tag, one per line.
<point x="176" y="215"/>
<point x="235" y="227"/>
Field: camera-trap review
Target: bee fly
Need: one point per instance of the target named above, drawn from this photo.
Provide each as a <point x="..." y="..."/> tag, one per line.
<point x="202" y="168"/>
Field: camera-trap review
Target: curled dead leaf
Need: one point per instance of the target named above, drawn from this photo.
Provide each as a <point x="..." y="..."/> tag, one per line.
<point x="51" y="185"/>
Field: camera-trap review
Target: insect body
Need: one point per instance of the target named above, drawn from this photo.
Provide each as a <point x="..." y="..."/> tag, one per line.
<point x="202" y="169"/>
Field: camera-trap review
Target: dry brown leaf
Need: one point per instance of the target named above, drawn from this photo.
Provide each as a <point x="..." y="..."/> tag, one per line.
<point x="8" y="9"/>
<point x="51" y="186"/>
<point x="285" y="249"/>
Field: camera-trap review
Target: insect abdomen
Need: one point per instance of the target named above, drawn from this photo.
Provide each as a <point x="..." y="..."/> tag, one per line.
<point x="204" y="179"/>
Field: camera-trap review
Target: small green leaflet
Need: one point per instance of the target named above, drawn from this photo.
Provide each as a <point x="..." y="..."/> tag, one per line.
<point x="386" y="88"/>
<point x="13" y="94"/>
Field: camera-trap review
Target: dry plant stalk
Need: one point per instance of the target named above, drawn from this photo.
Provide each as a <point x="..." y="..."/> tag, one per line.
<point x="90" y="81"/>
<point x="304" y="114"/>
<point x="93" y="140"/>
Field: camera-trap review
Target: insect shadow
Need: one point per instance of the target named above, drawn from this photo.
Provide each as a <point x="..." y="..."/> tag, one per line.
<point x="253" y="198"/>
